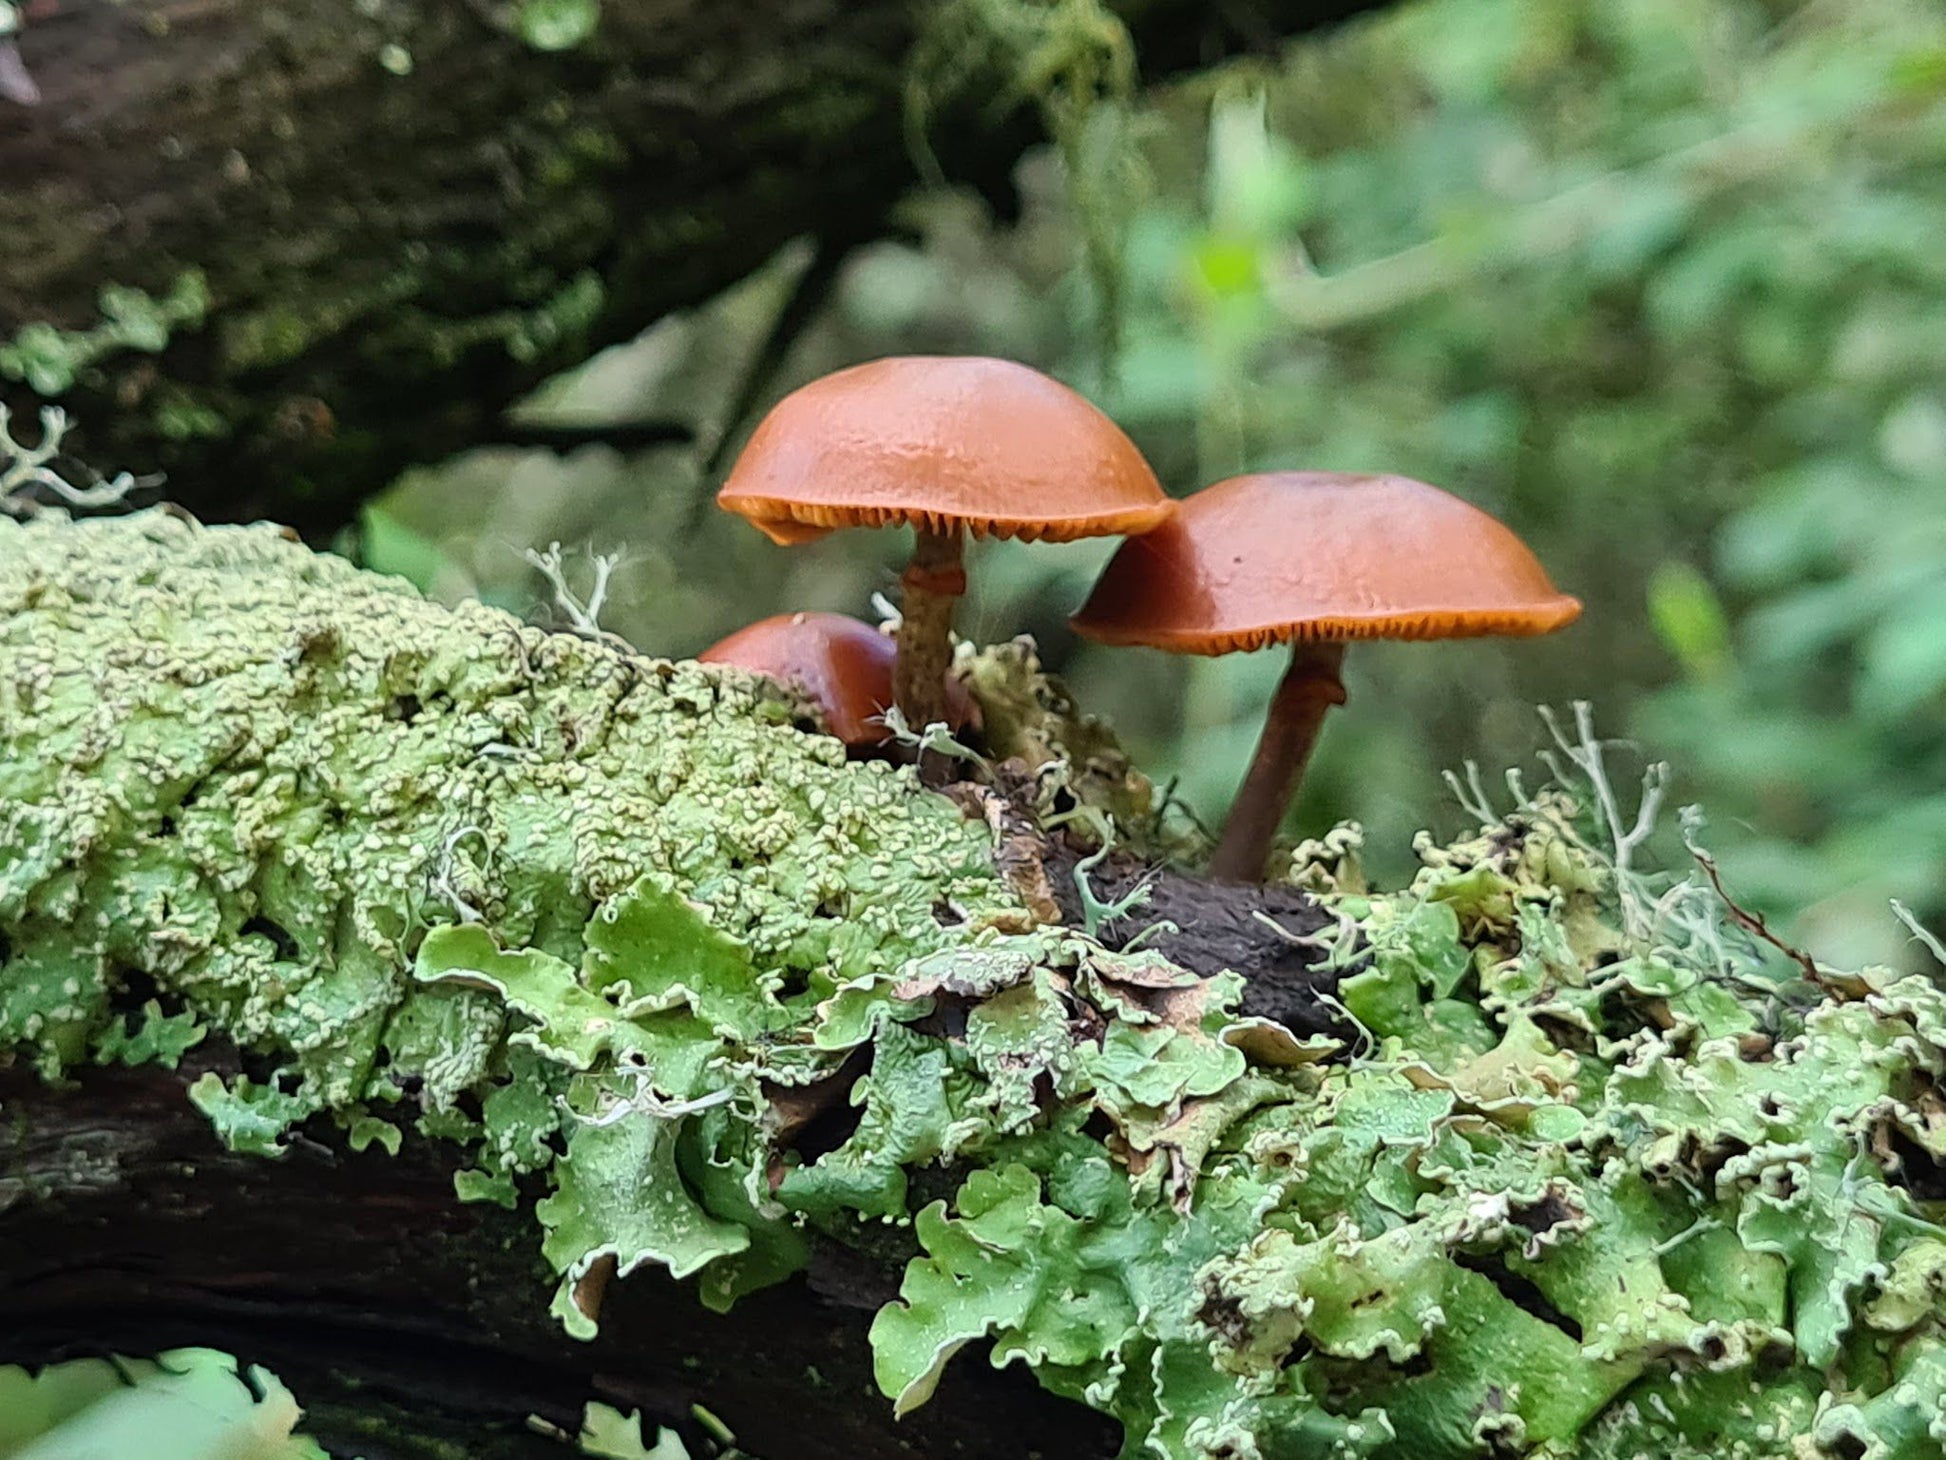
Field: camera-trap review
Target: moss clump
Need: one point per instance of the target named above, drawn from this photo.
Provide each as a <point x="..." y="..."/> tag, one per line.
<point x="1597" y="1177"/>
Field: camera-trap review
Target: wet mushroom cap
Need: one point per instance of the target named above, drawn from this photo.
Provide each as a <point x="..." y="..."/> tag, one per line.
<point x="939" y="442"/>
<point x="1286" y="557"/>
<point x="839" y="664"/>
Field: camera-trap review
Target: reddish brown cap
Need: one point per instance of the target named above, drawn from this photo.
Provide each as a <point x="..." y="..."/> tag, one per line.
<point x="1306" y="555"/>
<point x="842" y="666"/>
<point x="939" y="441"/>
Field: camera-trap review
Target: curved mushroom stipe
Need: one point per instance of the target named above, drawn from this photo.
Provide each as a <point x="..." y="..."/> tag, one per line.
<point x="1308" y="690"/>
<point x="1314" y="560"/>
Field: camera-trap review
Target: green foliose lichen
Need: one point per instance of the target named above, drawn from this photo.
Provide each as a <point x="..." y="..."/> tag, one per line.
<point x="1580" y="1193"/>
<point x="417" y="855"/>
<point x="1591" y="1174"/>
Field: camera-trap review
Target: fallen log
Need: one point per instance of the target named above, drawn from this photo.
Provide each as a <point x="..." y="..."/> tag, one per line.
<point x="470" y="1022"/>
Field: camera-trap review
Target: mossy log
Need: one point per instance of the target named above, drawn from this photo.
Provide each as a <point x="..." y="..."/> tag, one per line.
<point x="225" y="699"/>
<point x="370" y="970"/>
<point x="280" y="249"/>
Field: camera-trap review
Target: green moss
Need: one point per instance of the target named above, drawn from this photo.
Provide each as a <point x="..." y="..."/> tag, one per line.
<point x="1588" y="1174"/>
<point x="1075" y="61"/>
<point x="275" y="334"/>
<point x="557" y="25"/>
<point x="49" y="360"/>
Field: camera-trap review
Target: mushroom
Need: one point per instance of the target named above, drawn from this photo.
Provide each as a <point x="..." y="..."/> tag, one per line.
<point x="949" y="445"/>
<point x="1314" y="560"/>
<point x="842" y="666"/>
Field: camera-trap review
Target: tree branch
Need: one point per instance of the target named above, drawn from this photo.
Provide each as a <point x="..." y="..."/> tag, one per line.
<point x="280" y="249"/>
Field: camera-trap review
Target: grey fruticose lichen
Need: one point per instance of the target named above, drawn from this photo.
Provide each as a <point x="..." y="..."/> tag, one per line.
<point x="1589" y="1176"/>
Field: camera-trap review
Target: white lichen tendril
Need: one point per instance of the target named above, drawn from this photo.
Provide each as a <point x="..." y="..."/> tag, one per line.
<point x="1096" y="914"/>
<point x="936" y="737"/>
<point x="24" y="469"/>
<point x="1338" y="943"/>
<point x="442" y="882"/>
<point x="1587" y="753"/>
<point x="612" y="1108"/>
<point x="1686" y="916"/>
<point x="1919" y="930"/>
<point x="583" y="614"/>
<point x="1581" y="760"/>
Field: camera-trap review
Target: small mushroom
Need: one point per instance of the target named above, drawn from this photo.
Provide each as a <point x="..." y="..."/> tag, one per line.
<point x="1314" y="560"/>
<point x="949" y="445"/>
<point x="842" y="666"/>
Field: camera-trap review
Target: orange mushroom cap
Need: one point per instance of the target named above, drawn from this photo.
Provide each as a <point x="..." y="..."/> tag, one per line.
<point x="1312" y="555"/>
<point x="842" y="666"/>
<point x="938" y="442"/>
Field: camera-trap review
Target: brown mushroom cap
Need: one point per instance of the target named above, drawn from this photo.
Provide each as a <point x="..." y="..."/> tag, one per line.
<point x="1311" y="555"/>
<point x="938" y="442"/>
<point x="842" y="666"/>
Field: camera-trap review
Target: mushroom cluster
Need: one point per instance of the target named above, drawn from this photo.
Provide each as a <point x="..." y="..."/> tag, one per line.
<point x="951" y="446"/>
<point x="965" y="446"/>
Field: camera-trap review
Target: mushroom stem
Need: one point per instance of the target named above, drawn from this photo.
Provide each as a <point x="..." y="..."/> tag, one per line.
<point x="1309" y="688"/>
<point x="933" y="582"/>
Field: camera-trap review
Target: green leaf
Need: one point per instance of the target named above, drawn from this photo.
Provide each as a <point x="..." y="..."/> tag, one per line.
<point x="653" y="948"/>
<point x="366" y="1131"/>
<point x="1903" y="657"/>
<point x="388" y="545"/>
<point x="1688" y="617"/>
<point x="571" y="1024"/>
<point x="1006" y="1265"/>
<point x="150" y="1037"/>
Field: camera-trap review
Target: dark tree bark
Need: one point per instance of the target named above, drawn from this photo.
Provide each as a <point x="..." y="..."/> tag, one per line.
<point x="404" y="1320"/>
<point x="403" y="216"/>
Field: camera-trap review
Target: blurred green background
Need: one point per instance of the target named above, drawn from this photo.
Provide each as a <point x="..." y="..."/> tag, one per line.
<point x="1662" y="283"/>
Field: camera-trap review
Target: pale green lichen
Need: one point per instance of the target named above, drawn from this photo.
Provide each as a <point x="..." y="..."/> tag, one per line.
<point x="1579" y="1196"/>
<point x="1591" y="1172"/>
<point x="413" y="854"/>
